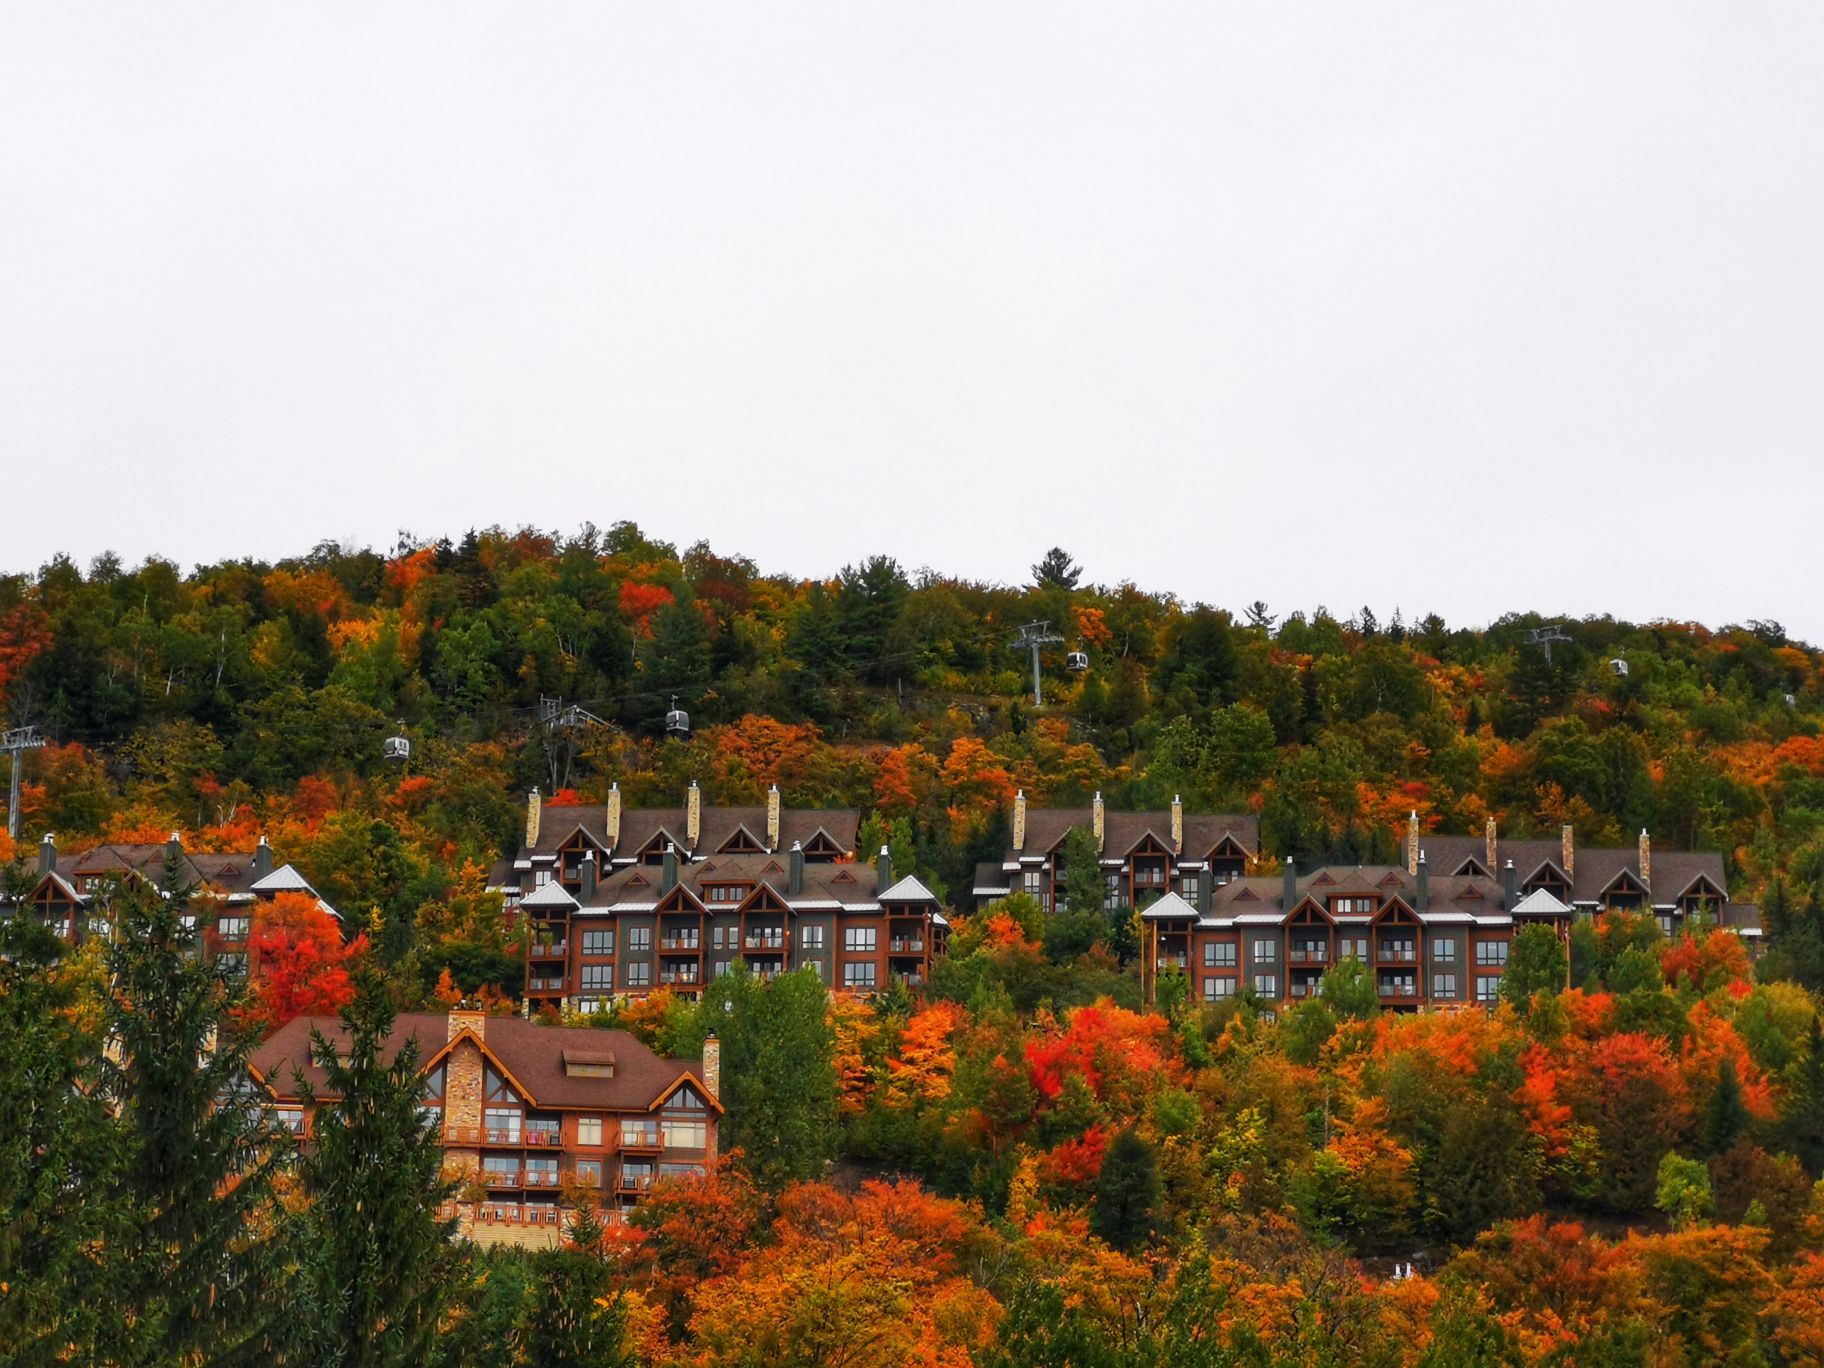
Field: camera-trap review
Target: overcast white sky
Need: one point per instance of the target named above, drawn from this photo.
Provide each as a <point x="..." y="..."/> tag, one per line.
<point x="1460" y="307"/>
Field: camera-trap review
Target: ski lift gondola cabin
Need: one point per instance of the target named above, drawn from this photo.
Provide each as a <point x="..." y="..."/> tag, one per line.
<point x="397" y="748"/>
<point x="1076" y="661"/>
<point x="1620" y="667"/>
<point x="677" y="721"/>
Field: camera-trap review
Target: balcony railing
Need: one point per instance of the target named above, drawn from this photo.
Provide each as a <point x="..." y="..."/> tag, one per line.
<point x="907" y="947"/>
<point x="545" y="985"/>
<point x="499" y="1179"/>
<point x="500" y="1136"/>
<point x="634" y="1182"/>
<point x="1309" y="954"/>
<point x="1171" y="961"/>
<point x="691" y="943"/>
<point x="1397" y="954"/>
<point x="541" y="1178"/>
<point x="766" y="940"/>
<point x="639" y="1138"/>
<point x="685" y="974"/>
<point x="512" y="1213"/>
<point x="462" y="1135"/>
<point x="1400" y="990"/>
<point x="550" y="949"/>
<point x="910" y="980"/>
<point x="544" y="1136"/>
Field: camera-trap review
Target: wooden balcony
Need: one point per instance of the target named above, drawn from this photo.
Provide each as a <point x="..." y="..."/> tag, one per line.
<point x="641" y="1140"/>
<point x="549" y="949"/>
<point x="1308" y="954"/>
<point x="689" y="945"/>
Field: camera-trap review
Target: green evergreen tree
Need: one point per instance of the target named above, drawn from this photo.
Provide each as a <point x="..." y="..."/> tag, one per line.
<point x="1725" y="1112"/>
<point x="1802" y="1106"/>
<point x="1536" y="963"/>
<point x="59" y="1160"/>
<point x="1084" y="888"/>
<point x="1348" y="988"/>
<point x="198" y="1274"/>
<point x="381" y="1254"/>
<point x="1127" y="1192"/>
<point x="578" y="1319"/>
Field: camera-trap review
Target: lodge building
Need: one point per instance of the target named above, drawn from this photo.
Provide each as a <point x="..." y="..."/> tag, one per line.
<point x="1434" y="932"/>
<point x="1143" y="854"/>
<point x="66" y="892"/>
<point x="620" y="902"/>
<point x="535" y="1120"/>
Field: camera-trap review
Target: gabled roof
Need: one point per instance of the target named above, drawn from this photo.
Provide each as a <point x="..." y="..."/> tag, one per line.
<point x="552" y="895"/>
<point x="908" y="889"/>
<point x="1169" y="907"/>
<point x="1540" y="903"/>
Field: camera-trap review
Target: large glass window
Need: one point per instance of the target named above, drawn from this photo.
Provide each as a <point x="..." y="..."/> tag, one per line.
<point x="1491" y="952"/>
<point x="1219" y="954"/>
<point x="1267" y="985"/>
<point x="589" y="1130"/>
<point x="858" y="975"/>
<point x="860" y="938"/>
<point x="639" y="938"/>
<point x="639" y="975"/>
<point x="598" y="942"/>
<point x="810" y="937"/>
<point x="597" y="978"/>
<point x="1266" y="951"/>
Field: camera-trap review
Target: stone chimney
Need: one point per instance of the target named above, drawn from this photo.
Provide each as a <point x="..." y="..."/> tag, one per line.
<point x="588" y="890"/>
<point x="1488" y="841"/>
<point x="1177" y="824"/>
<point x="1423" y="872"/>
<point x="1412" y="842"/>
<point x="1288" y="888"/>
<point x="1019" y="820"/>
<point x="1646" y="859"/>
<point x="1510" y="884"/>
<point x="533" y="806"/>
<point x="262" y="860"/>
<point x="884" y="864"/>
<point x="47" y="854"/>
<point x="772" y="818"/>
<point x="1097" y="818"/>
<point x="712" y="1065"/>
<point x="1570" y="851"/>
<point x="466" y="1018"/>
<point x="794" y="871"/>
<point x="668" y="871"/>
<point x="612" y="821"/>
<point x="693" y="817"/>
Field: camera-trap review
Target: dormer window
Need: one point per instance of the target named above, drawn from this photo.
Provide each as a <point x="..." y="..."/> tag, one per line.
<point x="588" y="1064"/>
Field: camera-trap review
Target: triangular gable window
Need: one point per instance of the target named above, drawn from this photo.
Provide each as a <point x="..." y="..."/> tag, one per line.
<point x="1472" y="893"/>
<point x="1247" y="895"/>
<point x="842" y="876"/>
<point x="637" y="880"/>
<point x="1392" y="881"/>
<point x="1322" y="879"/>
<point x="773" y="867"/>
<point x="1469" y="867"/>
<point x="741" y="842"/>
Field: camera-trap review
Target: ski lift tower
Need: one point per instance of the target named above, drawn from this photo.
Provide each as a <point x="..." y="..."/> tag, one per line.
<point x="1545" y="636"/>
<point x="15" y="743"/>
<point x="1033" y="636"/>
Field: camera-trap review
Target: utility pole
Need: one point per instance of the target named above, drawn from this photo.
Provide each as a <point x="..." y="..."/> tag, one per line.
<point x="15" y="743"/>
<point x="1032" y="636"/>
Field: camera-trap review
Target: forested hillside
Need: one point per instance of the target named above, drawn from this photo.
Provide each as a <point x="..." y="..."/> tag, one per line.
<point x="248" y="695"/>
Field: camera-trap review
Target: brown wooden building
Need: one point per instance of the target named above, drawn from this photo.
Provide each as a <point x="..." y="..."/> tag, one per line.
<point x="534" y="1119"/>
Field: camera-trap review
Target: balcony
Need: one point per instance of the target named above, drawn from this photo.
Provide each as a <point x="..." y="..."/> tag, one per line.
<point x="682" y="974"/>
<point x="1399" y="990"/>
<point x="549" y="949"/>
<point x="495" y="1136"/>
<point x="1309" y="954"/>
<point x="544" y="985"/>
<point x="765" y="940"/>
<point x="1172" y="961"/>
<point x="1396" y="954"/>
<point x="495" y="1178"/>
<point x="549" y="1138"/>
<point x="690" y="944"/>
<point x="634" y="1182"/>
<point x="541" y="1178"/>
<point x="910" y="980"/>
<point x="906" y="947"/>
<point x="639" y="1138"/>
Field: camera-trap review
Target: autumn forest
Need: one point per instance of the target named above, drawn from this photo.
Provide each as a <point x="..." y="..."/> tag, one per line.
<point x="1037" y="1156"/>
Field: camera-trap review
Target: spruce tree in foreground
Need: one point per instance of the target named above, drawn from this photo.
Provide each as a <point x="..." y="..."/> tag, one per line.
<point x="198" y="1275"/>
<point x="59" y="1158"/>
<point x="382" y="1260"/>
<point x="1127" y="1191"/>
<point x="578" y="1316"/>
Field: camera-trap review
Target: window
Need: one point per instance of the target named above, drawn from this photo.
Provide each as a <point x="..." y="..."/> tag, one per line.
<point x="1352" y="947"/>
<point x="724" y="938"/>
<point x="588" y="1130"/>
<point x="1190" y="888"/>
<point x="1491" y="952"/>
<point x="1443" y="985"/>
<point x="598" y="942"/>
<point x="289" y="1118"/>
<point x="726" y="893"/>
<point x="540" y="878"/>
<point x="588" y="1006"/>
<point x="859" y="938"/>
<point x="638" y="1133"/>
<point x="588" y="1173"/>
<point x="1665" y="923"/>
<point x="1266" y="951"/>
<point x="810" y="937"/>
<point x="1488" y="987"/>
<point x="1215" y="989"/>
<point x="1348" y="907"/>
<point x="501" y="1170"/>
<point x="541" y="1170"/>
<point x="232" y="928"/>
<point x="231" y="964"/>
<point x="502" y="1125"/>
<point x="638" y="976"/>
<point x="597" y="978"/>
<point x="1444" y="951"/>
<point x="718" y="968"/>
<point x="1030" y="880"/>
<point x="1111" y="892"/>
<point x="639" y="938"/>
<point x="1219" y="954"/>
<point x="1267" y="985"/>
<point x="858" y="975"/>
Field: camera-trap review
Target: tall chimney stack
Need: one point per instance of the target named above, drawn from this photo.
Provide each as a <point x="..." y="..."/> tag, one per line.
<point x="1019" y="820"/>
<point x="47" y="854"/>
<point x="1423" y="871"/>
<point x="712" y="1064"/>
<point x="612" y="821"/>
<point x="262" y="860"/>
<point x="693" y="817"/>
<point x="533" y="803"/>
<point x="884" y="864"/>
<point x="1510" y="883"/>
<point x="1412" y="842"/>
<point x="1570" y="851"/>
<point x="668" y="871"/>
<point x="1288" y="885"/>
<point x="794" y="876"/>
<point x="1177" y="825"/>
<point x="588" y="890"/>
<point x="1099" y="820"/>
<point x="1646" y="859"/>
<point x="772" y="819"/>
<point x="1488" y="841"/>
